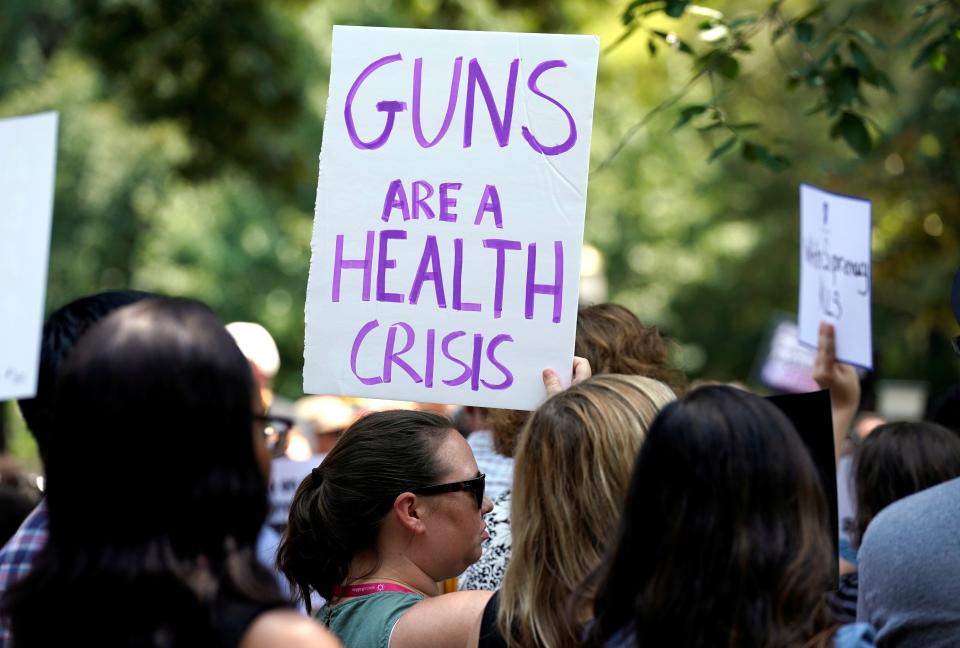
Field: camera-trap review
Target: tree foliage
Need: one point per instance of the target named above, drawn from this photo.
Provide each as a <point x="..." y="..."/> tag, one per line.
<point x="190" y="133"/>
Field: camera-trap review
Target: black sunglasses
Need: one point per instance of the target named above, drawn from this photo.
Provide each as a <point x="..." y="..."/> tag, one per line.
<point x="475" y="486"/>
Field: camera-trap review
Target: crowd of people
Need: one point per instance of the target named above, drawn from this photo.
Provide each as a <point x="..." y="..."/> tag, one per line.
<point x="630" y="509"/>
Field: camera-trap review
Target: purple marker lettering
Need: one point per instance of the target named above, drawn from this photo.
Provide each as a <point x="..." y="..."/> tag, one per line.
<point x="448" y="202"/>
<point x="420" y="203"/>
<point x="568" y="143"/>
<point x="431" y="258"/>
<point x="428" y="372"/>
<point x="340" y="264"/>
<point x="451" y="102"/>
<point x="396" y="199"/>
<point x="389" y="107"/>
<point x="491" y="351"/>
<point x="501" y="125"/>
<point x="392" y="357"/>
<point x="555" y="289"/>
<point x="490" y="202"/>
<point x="477" y="356"/>
<point x="458" y="303"/>
<point x="501" y="246"/>
<point x="355" y="351"/>
<point x="383" y="264"/>
<point x="445" y="348"/>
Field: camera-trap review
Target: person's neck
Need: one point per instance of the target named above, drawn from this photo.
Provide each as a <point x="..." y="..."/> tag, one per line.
<point x="393" y="569"/>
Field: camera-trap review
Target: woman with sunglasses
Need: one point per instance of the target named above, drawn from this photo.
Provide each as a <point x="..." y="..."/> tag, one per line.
<point x="396" y="507"/>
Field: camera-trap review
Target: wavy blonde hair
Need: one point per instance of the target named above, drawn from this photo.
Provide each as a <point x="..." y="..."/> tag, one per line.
<point x="573" y="463"/>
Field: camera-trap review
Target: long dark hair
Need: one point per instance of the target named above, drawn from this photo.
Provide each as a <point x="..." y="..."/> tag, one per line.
<point x="899" y="459"/>
<point x="724" y="541"/>
<point x="338" y="510"/>
<point x="60" y="333"/>
<point x="154" y="493"/>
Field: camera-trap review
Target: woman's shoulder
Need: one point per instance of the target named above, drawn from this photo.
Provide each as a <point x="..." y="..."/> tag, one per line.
<point x="447" y="620"/>
<point x="855" y="635"/>
<point x="287" y="629"/>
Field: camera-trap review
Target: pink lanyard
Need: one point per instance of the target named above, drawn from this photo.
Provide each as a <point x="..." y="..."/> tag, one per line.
<point x="349" y="591"/>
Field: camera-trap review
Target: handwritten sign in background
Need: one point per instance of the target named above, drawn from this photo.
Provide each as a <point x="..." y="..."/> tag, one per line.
<point x="28" y="154"/>
<point x="449" y="216"/>
<point x="835" y="272"/>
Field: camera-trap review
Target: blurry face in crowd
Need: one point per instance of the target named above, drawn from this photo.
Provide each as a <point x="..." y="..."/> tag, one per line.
<point x="260" y="450"/>
<point x="455" y="526"/>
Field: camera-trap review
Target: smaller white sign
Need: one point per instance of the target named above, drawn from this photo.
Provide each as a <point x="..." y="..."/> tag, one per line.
<point x="285" y="477"/>
<point x="28" y="158"/>
<point x="835" y="272"/>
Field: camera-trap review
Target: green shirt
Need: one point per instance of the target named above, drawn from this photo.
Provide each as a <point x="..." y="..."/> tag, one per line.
<point x="367" y="621"/>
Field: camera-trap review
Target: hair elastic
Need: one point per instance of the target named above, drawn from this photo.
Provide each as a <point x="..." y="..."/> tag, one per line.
<point x="316" y="476"/>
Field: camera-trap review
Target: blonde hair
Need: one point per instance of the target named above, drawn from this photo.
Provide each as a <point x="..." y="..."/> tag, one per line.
<point x="573" y="463"/>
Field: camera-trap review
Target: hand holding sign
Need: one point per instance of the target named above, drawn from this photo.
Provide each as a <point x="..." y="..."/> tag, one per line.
<point x="835" y="272"/>
<point x="553" y="384"/>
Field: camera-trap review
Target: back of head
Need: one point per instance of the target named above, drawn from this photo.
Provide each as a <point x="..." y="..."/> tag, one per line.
<point x="337" y="512"/>
<point x="573" y="465"/>
<point x="612" y="340"/>
<point x="615" y="341"/>
<point x="897" y="460"/>
<point x="155" y="497"/>
<point x="60" y="333"/>
<point x="725" y="539"/>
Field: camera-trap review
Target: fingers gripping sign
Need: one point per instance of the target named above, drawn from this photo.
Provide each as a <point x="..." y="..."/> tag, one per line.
<point x="580" y="372"/>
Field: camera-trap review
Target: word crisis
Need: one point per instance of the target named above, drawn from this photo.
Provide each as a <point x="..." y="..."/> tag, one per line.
<point x="377" y="262"/>
<point x="500" y="120"/>
<point x="398" y="351"/>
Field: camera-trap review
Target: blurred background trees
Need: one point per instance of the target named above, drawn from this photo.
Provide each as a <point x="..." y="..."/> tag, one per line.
<point x="190" y="133"/>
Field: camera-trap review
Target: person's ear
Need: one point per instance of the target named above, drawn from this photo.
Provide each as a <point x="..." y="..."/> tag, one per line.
<point x="409" y="511"/>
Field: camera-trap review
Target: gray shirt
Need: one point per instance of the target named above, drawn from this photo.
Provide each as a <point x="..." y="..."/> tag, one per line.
<point x="909" y="566"/>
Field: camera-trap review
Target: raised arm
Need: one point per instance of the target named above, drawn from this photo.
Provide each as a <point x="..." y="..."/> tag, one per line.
<point x="842" y="381"/>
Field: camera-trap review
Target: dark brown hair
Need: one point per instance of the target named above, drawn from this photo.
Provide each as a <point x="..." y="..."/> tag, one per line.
<point x="899" y="459"/>
<point x="613" y="340"/>
<point x="339" y="509"/>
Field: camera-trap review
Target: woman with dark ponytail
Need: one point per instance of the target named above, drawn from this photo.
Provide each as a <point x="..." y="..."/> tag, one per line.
<point x="396" y="507"/>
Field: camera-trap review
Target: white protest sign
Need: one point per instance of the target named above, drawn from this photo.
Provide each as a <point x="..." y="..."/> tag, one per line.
<point x="285" y="477"/>
<point x="835" y="272"/>
<point x="449" y="217"/>
<point x="28" y="157"/>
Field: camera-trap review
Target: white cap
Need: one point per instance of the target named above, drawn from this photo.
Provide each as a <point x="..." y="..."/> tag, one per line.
<point x="257" y="346"/>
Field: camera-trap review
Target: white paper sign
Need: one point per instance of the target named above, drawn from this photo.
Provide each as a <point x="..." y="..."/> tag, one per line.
<point x="835" y="272"/>
<point x="449" y="218"/>
<point x="285" y="477"/>
<point x="28" y="156"/>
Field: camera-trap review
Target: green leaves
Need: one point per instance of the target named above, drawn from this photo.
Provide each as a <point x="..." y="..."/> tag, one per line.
<point x="804" y="31"/>
<point x="675" y="8"/>
<point x="728" y="66"/>
<point x="689" y="112"/>
<point x="753" y="152"/>
<point x="932" y="53"/>
<point x="853" y="130"/>
<point x="724" y="148"/>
